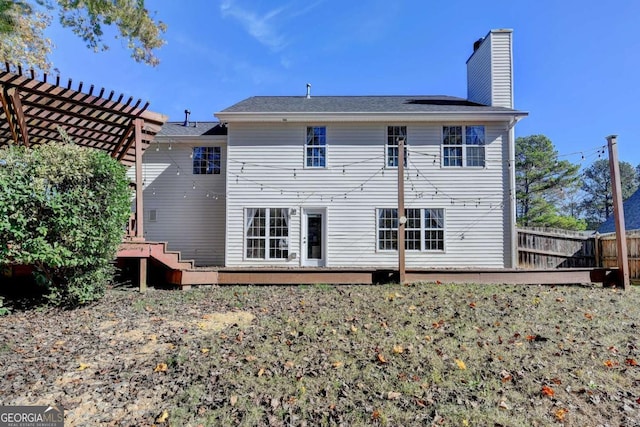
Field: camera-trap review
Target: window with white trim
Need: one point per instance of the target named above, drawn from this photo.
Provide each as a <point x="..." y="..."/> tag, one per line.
<point x="463" y="146"/>
<point x="394" y="134"/>
<point x="424" y="229"/>
<point x="206" y="160"/>
<point x="267" y="233"/>
<point x="315" y="150"/>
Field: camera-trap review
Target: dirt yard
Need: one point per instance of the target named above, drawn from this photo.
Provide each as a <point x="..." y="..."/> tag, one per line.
<point x="430" y="354"/>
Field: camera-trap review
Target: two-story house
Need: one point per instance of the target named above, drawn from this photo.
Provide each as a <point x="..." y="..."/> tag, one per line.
<point x="295" y="181"/>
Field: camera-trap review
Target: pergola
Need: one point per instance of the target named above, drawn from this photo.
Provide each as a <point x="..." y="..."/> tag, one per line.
<point x="33" y="111"/>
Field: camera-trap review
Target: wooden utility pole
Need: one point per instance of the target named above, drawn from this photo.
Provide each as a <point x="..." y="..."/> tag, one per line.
<point x="402" y="219"/>
<point x="618" y="213"/>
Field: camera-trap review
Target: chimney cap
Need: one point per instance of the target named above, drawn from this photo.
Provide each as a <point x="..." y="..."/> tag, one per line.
<point x="477" y="43"/>
<point x="308" y="90"/>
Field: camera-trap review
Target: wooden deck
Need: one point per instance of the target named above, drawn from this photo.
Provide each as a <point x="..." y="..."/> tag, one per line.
<point x="184" y="274"/>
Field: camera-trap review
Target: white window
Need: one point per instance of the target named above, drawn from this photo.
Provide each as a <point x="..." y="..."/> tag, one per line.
<point x="387" y="229"/>
<point x="424" y="229"/>
<point x="316" y="147"/>
<point x="267" y="233"/>
<point x="394" y="134"/>
<point x="206" y="160"/>
<point x="463" y="146"/>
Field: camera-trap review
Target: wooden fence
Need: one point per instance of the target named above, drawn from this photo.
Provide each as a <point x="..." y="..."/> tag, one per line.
<point x="608" y="251"/>
<point x="550" y="248"/>
<point x="540" y="248"/>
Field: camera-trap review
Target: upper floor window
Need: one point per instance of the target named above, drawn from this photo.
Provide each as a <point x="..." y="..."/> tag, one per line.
<point x="206" y="160"/>
<point x="463" y="146"/>
<point x="316" y="147"/>
<point x="394" y="134"/>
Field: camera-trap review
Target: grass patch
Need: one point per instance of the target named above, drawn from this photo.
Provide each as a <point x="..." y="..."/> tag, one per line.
<point x="353" y="355"/>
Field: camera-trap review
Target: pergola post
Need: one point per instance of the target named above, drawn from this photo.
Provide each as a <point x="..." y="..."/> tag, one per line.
<point x="139" y="215"/>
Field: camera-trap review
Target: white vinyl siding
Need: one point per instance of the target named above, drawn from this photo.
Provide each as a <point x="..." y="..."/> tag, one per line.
<point x="490" y="71"/>
<point x="502" y="70"/>
<point x="189" y="209"/>
<point x="479" y="75"/>
<point x="265" y="168"/>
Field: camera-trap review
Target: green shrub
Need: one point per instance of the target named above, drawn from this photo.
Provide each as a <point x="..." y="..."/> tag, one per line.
<point x="62" y="210"/>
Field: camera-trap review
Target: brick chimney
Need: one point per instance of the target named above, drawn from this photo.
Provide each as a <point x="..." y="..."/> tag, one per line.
<point x="490" y="70"/>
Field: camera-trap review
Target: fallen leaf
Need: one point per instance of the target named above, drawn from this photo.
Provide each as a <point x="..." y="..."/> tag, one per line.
<point x="354" y="329"/>
<point x="381" y="358"/>
<point x="547" y="391"/>
<point x="163" y="417"/>
<point x="398" y="349"/>
<point x="261" y="372"/>
<point x="610" y="363"/>
<point x="631" y="362"/>
<point x="560" y="299"/>
<point x="337" y="364"/>
<point x="375" y="415"/>
<point x="393" y="395"/>
<point x="461" y="364"/>
<point x="250" y="358"/>
<point x="275" y="403"/>
<point x="233" y="400"/>
<point x="204" y="350"/>
<point x="560" y="414"/>
<point x="556" y="381"/>
<point x="289" y="364"/>
<point x="240" y="336"/>
<point x="588" y="316"/>
<point x="531" y="337"/>
<point x="161" y="367"/>
<point x="503" y="405"/>
<point x="472" y="305"/>
<point x="82" y="366"/>
<point x="506" y="376"/>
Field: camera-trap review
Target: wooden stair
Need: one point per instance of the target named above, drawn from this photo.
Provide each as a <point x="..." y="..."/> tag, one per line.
<point x="180" y="272"/>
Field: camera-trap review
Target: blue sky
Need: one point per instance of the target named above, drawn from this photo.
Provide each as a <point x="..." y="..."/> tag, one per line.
<point x="576" y="62"/>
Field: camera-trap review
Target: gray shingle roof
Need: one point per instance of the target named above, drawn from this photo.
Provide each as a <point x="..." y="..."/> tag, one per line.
<point x="358" y="104"/>
<point x="194" y="129"/>
<point x="631" y="208"/>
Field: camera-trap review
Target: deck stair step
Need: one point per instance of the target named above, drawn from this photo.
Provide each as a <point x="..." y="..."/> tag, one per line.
<point x="154" y="250"/>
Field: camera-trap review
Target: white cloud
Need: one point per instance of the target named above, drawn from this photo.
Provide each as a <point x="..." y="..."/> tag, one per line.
<point x="263" y="27"/>
<point x="267" y="27"/>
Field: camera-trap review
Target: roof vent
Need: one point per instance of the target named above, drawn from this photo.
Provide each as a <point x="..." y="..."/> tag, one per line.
<point x="186" y="118"/>
<point x="308" y="90"/>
